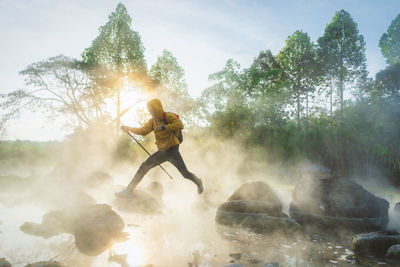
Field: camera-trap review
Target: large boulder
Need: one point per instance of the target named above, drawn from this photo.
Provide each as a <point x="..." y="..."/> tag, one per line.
<point x="393" y="253"/>
<point x="4" y="263"/>
<point x="95" y="227"/>
<point x="141" y="202"/>
<point x="98" y="178"/>
<point x="397" y="208"/>
<point x="337" y="203"/>
<point x="374" y="244"/>
<point x="255" y="205"/>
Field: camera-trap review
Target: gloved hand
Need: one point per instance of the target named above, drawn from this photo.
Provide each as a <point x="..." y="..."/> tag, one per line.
<point x="125" y="128"/>
<point x="161" y="127"/>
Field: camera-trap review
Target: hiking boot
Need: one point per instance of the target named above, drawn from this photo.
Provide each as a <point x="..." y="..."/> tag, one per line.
<point x="126" y="193"/>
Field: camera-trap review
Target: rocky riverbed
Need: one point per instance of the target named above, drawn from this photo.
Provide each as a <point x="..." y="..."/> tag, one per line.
<point x="182" y="230"/>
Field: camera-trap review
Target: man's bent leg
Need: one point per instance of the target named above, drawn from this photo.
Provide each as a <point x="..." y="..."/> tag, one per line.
<point x="176" y="159"/>
<point x="154" y="160"/>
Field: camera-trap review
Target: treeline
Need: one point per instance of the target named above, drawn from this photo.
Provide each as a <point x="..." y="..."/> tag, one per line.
<point x="315" y="101"/>
<point x="111" y="72"/>
<point x="310" y="100"/>
<point x="14" y="154"/>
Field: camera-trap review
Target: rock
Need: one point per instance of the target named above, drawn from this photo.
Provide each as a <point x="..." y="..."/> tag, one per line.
<point x="257" y="191"/>
<point x="234" y="265"/>
<point x="235" y="256"/>
<point x="80" y="199"/>
<point x="271" y="264"/>
<point x="393" y="253"/>
<point x="374" y="244"/>
<point x="98" y="178"/>
<point x="45" y="264"/>
<point x="254" y="205"/>
<point x="397" y="207"/>
<point x="4" y="263"/>
<point x="95" y="227"/>
<point x="142" y="202"/>
<point x="53" y="223"/>
<point x="337" y="203"/>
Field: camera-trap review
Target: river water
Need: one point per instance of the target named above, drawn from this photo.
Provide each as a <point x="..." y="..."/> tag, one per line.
<point x="183" y="233"/>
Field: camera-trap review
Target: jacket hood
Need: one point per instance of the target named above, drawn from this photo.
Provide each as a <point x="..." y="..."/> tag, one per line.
<point x="155" y="108"/>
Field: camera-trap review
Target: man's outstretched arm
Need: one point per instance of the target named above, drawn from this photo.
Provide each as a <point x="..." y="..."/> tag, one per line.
<point x="145" y="130"/>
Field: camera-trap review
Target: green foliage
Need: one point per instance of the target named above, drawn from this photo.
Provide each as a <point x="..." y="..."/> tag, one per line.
<point x="342" y="52"/>
<point x="298" y="60"/>
<point x="171" y="88"/>
<point x="13" y="153"/>
<point x="116" y="57"/>
<point x="253" y="105"/>
<point x="388" y="81"/>
<point x="59" y="85"/>
<point x="117" y="47"/>
<point x="390" y="42"/>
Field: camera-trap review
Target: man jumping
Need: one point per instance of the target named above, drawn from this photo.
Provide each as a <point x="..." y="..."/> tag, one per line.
<point x="166" y="127"/>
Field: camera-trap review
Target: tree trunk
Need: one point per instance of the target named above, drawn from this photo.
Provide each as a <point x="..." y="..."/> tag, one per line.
<point x="331" y="100"/>
<point x="298" y="110"/>
<point x="307" y="106"/>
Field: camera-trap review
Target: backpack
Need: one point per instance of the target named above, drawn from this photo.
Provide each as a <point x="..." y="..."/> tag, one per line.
<point x="180" y="136"/>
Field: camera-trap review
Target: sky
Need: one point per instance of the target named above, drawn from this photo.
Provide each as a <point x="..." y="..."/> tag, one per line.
<point x="201" y="34"/>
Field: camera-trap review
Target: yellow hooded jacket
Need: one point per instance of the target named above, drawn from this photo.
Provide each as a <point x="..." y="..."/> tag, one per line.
<point x="166" y="138"/>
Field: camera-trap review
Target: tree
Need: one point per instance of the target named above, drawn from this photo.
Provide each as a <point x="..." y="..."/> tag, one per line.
<point x="58" y="84"/>
<point x="118" y="52"/>
<point x="266" y="87"/>
<point x="170" y="86"/>
<point x="343" y="52"/>
<point x="265" y="71"/>
<point x="226" y="104"/>
<point x="298" y="60"/>
<point x="388" y="81"/>
<point x="227" y="90"/>
<point x="390" y="42"/>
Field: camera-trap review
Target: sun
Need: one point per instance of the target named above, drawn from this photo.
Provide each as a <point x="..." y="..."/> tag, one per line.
<point x="132" y="104"/>
<point x="133" y="250"/>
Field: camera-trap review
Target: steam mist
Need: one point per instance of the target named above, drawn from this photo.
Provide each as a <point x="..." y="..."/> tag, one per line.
<point x="182" y="231"/>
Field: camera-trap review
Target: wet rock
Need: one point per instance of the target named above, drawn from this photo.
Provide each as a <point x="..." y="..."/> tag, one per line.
<point x="4" y="263"/>
<point x="374" y="244"/>
<point x="45" y="264"/>
<point x="235" y="256"/>
<point x="98" y="178"/>
<point x="393" y="253"/>
<point x="272" y="264"/>
<point x="80" y="199"/>
<point x="337" y="203"/>
<point x="255" y="205"/>
<point x="141" y="202"/>
<point x="397" y="207"/>
<point x="95" y="227"/>
<point x="53" y="223"/>
<point x="235" y="265"/>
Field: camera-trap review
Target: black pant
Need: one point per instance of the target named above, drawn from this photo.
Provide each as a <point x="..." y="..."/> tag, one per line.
<point x="172" y="155"/>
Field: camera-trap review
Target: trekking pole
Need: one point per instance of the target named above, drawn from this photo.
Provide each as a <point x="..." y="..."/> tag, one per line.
<point x="147" y="152"/>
